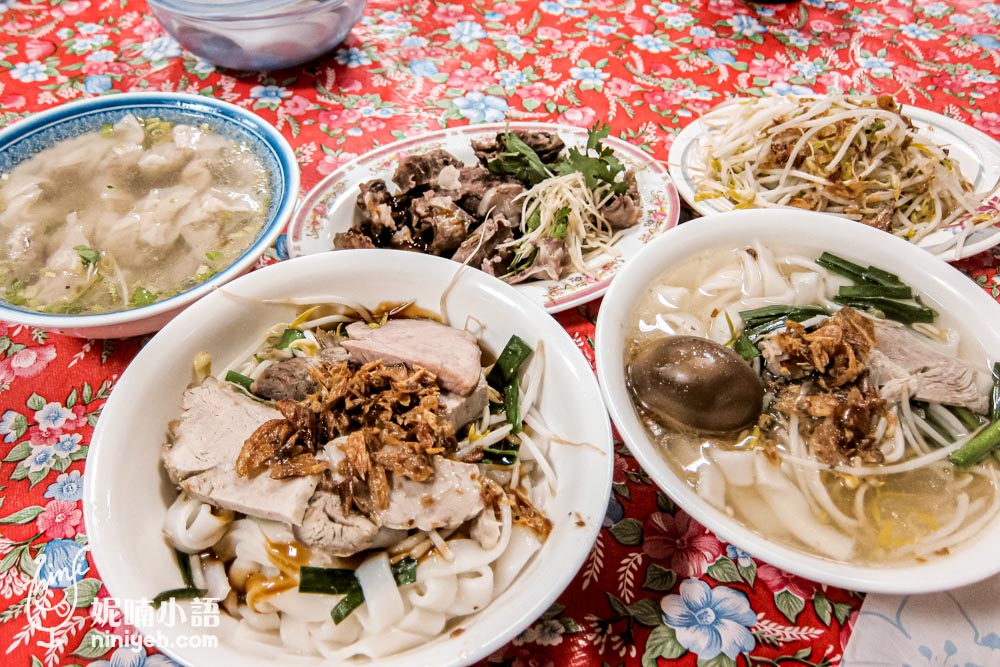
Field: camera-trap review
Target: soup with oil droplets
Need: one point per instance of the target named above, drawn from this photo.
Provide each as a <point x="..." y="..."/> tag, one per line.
<point x="126" y="216"/>
<point x="859" y="450"/>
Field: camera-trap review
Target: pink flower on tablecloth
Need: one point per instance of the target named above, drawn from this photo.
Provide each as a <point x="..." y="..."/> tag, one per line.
<point x="12" y="101"/>
<point x="59" y="519"/>
<point x="474" y="78"/>
<point x="682" y="541"/>
<point x="28" y="362"/>
<point x="619" y="87"/>
<point x="74" y="7"/>
<point x="770" y="69"/>
<point x="837" y="80"/>
<point x="336" y="118"/>
<point x="453" y="14"/>
<point x="537" y="91"/>
<point x="372" y="124"/>
<point x="41" y="437"/>
<point x="330" y="162"/>
<point x="640" y="24"/>
<point x="545" y="32"/>
<point x="148" y="29"/>
<point x="779" y="580"/>
<point x="506" y="9"/>
<point x="297" y="105"/>
<point x="661" y="99"/>
<point x="988" y="121"/>
<point x="579" y="116"/>
<point x="908" y="74"/>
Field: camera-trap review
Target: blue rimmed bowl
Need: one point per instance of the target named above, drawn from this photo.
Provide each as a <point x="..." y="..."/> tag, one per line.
<point x="28" y="137"/>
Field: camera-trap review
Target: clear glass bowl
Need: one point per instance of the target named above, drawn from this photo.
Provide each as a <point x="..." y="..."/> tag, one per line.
<point x="258" y="34"/>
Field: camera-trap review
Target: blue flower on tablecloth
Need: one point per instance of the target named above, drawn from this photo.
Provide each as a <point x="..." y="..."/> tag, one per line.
<point x="796" y="38"/>
<point x="62" y="563"/>
<point x="390" y="16"/>
<point x="917" y="31"/>
<point x="161" y="48"/>
<point x="679" y="21"/>
<point x="494" y="16"/>
<point x="992" y="10"/>
<point x="720" y="56"/>
<point x="466" y="31"/>
<point x="960" y="19"/>
<point x="815" y="3"/>
<point x="514" y="45"/>
<point x="53" y="415"/>
<point x="936" y="10"/>
<point x="423" y="67"/>
<point x="986" y="41"/>
<point x="68" y="486"/>
<point x="270" y="94"/>
<point x="414" y="42"/>
<point x="710" y="621"/>
<point x="806" y="69"/>
<point x="42" y="457"/>
<point x="96" y="84"/>
<point x="101" y="56"/>
<point x="83" y="44"/>
<point x="550" y="7"/>
<point x="746" y="25"/>
<point x="352" y="57"/>
<point x="877" y="66"/>
<point x="785" y="88"/>
<point x="90" y="28"/>
<point x="614" y="513"/>
<point x="701" y="31"/>
<point x="872" y="20"/>
<point x="509" y="79"/>
<point x="376" y="112"/>
<point x="479" y="108"/>
<point x="742" y="558"/>
<point x="8" y="425"/>
<point x="135" y="656"/>
<point x="649" y="43"/>
<point x="981" y="78"/>
<point x="67" y="444"/>
<point x="29" y="72"/>
<point x="202" y="66"/>
<point x="590" y="75"/>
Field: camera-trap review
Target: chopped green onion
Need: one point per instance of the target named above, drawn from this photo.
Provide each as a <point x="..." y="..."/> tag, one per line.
<point x="892" y="310"/>
<point x="797" y="313"/>
<point x="873" y="274"/>
<point x="337" y="581"/>
<point x="287" y="336"/>
<point x="995" y="394"/>
<point x="511" y="400"/>
<point x="88" y="256"/>
<point x="184" y="565"/>
<point x="871" y="291"/>
<point x="746" y="348"/>
<point x="841" y="266"/>
<point x="351" y="601"/>
<point x="142" y="297"/>
<point x="977" y="447"/>
<point x="240" y="379"/>
<point x="499" y="457"/>
<point x="186" y="593"/>
<point x="514" y="353"/>
<point x="968" y="418"/>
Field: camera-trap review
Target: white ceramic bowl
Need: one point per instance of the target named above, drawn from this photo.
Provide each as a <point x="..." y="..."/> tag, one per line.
<point x="26" y="138"/>
<point x="127" y="494"/>
<point x="960" y="296"/>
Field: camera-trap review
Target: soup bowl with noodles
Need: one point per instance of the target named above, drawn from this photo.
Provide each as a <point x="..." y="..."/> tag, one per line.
<point x="117" y="212"/>
<point x="815" y="392"/>
<point x="478" y="530"/>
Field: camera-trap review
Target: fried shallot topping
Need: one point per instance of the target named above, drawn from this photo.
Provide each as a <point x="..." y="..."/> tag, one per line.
<point x="832" y="396"/>
<point x="392" y="418"/>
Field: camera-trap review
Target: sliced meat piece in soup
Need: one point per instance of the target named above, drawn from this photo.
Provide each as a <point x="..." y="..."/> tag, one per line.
<point x="290" y="379"/>
<point x="460" y="410"/>
<point x="451" y="354"/>
<point x="451" y="497"/>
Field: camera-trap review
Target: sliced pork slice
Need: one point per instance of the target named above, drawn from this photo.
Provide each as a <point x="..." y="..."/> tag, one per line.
<point x="451" y="354"/>
<point x="290" y="380"/>
<point x="451" y="497"/>
<point x="211" y="429"/>
<point x="902" y="362"/>
<point x="260" y="496"/>
<point x="327" y="527"/>
<point x="205" y="442"/>
<point x="463" y="409"/>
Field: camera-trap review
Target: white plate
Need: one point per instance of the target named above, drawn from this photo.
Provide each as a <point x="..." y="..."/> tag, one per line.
<point x="977" y="154"/>
<point x="329" y="208"/>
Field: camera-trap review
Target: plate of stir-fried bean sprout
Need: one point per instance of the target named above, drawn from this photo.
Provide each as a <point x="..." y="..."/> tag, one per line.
<point x="922" y="176"/>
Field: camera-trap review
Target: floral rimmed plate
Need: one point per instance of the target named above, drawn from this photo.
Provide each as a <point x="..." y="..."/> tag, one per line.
<point x="329" y="208"/>
<point x="977" y="154"/>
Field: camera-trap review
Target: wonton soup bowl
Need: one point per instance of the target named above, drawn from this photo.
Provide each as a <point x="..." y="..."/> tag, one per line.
<point x="127" y="492"/>
<point x="974" y="313"/>
<point x="27" y="137"/>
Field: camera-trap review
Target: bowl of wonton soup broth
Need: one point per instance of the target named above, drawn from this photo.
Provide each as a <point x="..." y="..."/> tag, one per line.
<point x="774" y="486"/>
<point x="118" y="212"/>
<point x="137" y="561"/>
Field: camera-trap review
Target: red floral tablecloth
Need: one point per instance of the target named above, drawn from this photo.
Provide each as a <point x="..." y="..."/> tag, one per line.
<point x="647" y="67"/>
